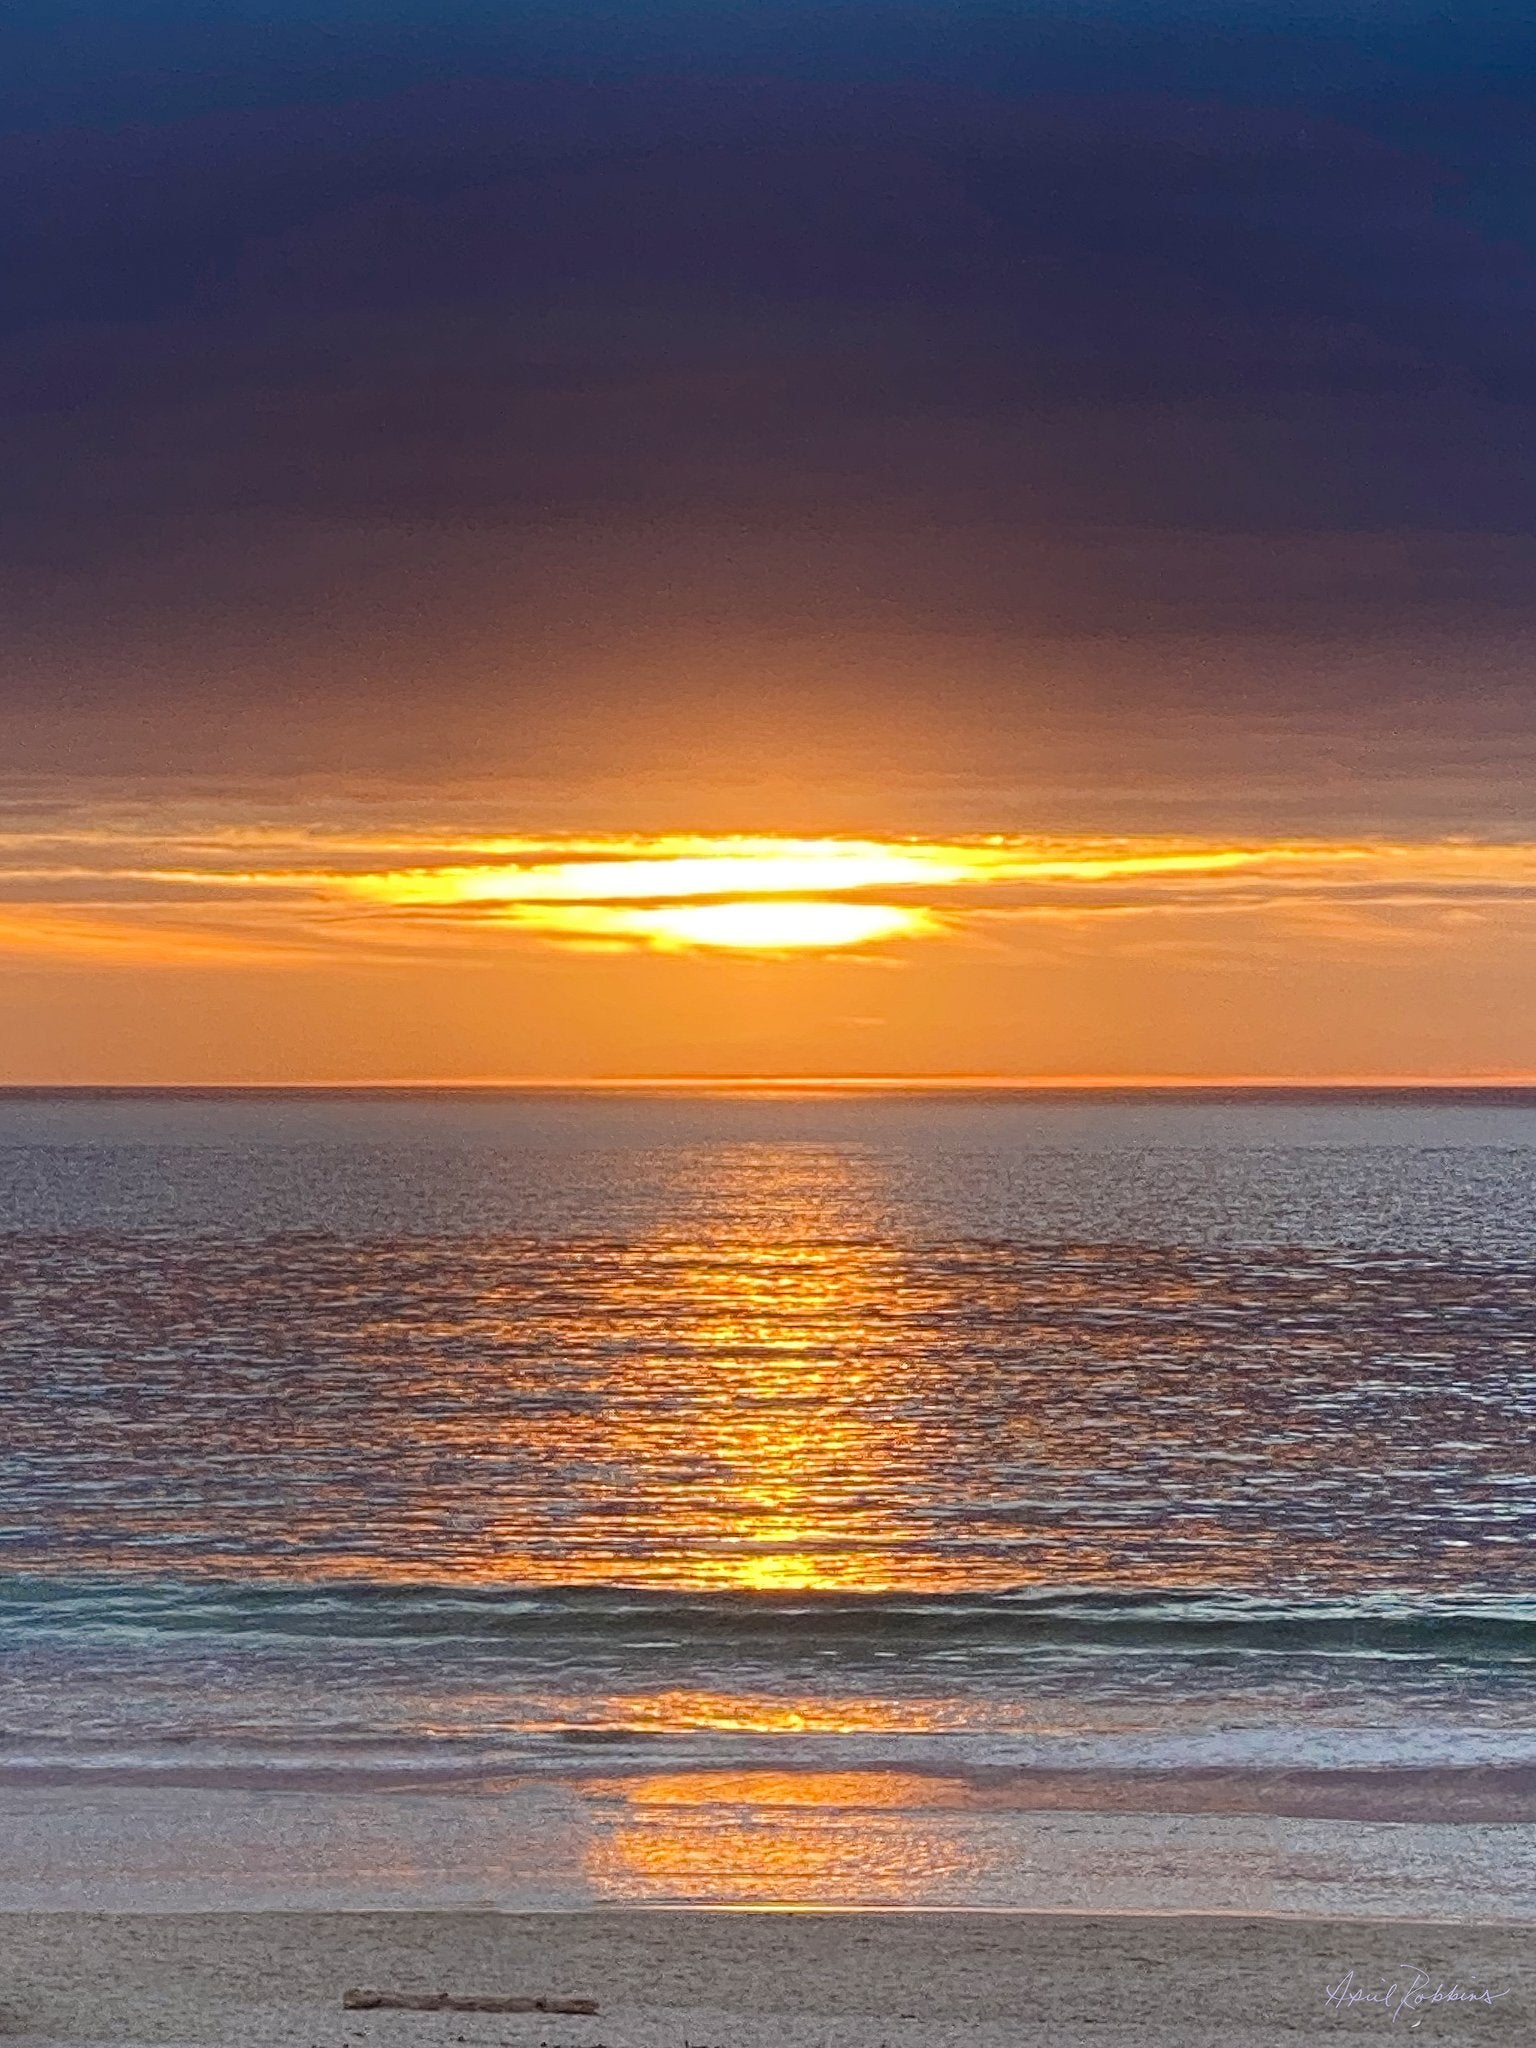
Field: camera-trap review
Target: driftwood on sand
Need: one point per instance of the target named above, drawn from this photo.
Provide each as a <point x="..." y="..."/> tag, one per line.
<point x="450" y="2001"/>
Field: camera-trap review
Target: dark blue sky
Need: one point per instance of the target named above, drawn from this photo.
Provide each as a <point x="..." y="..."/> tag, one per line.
<point x="475" y="389"/>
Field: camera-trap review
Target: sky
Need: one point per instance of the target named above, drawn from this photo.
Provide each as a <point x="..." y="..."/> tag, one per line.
<point x="851" y="539"/>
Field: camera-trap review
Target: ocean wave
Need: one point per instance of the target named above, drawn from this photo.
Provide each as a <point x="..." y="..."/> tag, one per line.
<point x="1467" y="1627"/>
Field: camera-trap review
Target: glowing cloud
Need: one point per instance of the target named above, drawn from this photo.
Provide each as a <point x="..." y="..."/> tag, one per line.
<point x="759" y="894"/>
<point x="674" y="871"/>
<point x="91" y="888"/>
<point x="758" y="925"/>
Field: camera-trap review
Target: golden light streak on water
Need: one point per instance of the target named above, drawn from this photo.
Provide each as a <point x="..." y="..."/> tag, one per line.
<point x="780" y="1838"/>
<point x="775" y="1421"/>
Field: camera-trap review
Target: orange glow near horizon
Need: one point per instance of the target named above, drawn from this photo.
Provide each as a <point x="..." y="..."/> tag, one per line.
<point x="215" y="947"/>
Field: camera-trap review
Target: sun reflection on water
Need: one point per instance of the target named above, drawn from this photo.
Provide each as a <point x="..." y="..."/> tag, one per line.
<point x="784" y="1838"/>
<point x="763" y="1396"/>
<point x="769" y="1388"/>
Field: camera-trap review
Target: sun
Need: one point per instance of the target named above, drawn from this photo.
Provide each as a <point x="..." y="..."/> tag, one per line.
<point x="779" y="925"/>
<point x="685" y="892"/>
<point x="752" y="925"/>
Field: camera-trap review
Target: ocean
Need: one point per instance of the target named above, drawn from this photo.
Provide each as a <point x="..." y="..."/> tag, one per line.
<point x="769" y="1496"/>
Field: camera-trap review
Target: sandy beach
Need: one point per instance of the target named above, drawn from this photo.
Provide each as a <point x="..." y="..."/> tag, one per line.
<point x="758" y="1980"/>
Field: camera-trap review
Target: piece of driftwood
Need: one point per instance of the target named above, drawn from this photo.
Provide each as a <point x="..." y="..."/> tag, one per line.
<point x="451" y="2001"/>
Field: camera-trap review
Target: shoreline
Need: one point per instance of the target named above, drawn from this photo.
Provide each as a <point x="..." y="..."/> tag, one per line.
<point x="1486" y="1795"/>
<point x="781" y="1909"/>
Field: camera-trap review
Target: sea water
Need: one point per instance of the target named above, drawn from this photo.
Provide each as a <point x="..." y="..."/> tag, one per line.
<point x="769" y="1495"/>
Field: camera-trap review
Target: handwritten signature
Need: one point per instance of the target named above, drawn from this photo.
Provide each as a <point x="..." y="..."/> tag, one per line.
<point x="1411" y="1994"/>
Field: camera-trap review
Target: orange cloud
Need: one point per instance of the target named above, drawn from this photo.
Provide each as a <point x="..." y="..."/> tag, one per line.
<point x="116" y="893"/>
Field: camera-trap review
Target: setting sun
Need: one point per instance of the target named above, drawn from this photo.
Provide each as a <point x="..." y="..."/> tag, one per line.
<point x="748" y="926"/>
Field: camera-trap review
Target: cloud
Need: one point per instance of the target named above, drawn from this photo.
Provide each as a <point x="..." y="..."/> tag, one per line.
<point x="139" y="895"/>
<point x="544" y="411"/>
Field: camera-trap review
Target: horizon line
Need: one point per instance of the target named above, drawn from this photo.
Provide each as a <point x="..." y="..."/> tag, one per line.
<point x="873" y="1084"/>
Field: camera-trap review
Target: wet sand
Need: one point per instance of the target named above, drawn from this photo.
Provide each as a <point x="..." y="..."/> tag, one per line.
<point x="688" y="1979"/>
<point x="708" y="1839"/>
